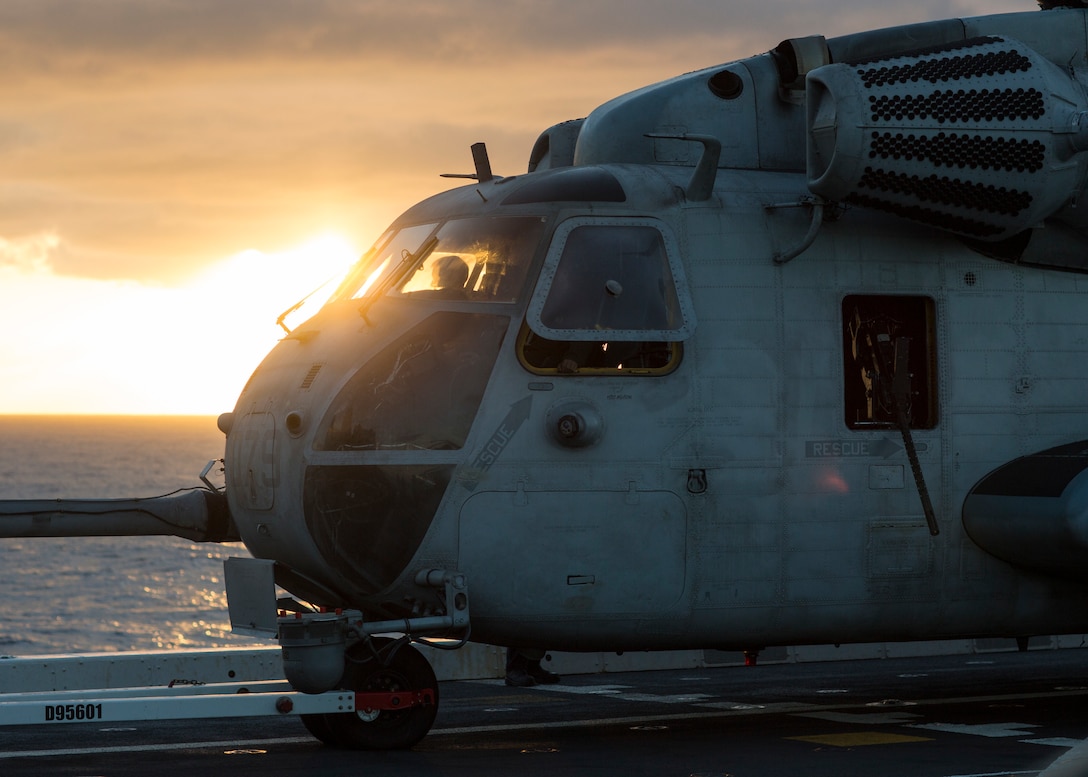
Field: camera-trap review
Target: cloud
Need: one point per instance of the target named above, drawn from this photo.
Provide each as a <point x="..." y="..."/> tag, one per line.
<point x="96" y="37"/>
<point x="155" y="135"/>
<point x="28" y="255"/>
<point x="143" y="140"/>
<point x="108" y="346"/>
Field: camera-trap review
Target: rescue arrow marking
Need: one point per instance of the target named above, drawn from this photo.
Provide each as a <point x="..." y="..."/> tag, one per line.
<point x="496" y="444"/>
<point x="845" y="449"/>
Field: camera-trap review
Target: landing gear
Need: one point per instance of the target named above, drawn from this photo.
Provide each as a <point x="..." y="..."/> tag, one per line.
<point x="395" y="689"/>
<point x="396" y="698"/>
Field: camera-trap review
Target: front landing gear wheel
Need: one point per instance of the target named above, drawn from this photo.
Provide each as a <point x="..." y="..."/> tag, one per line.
<point x="405" y="673"/>
<point x="318" y="726"/>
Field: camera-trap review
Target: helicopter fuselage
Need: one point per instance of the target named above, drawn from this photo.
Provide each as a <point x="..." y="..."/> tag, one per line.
<point x="740" y="480"/>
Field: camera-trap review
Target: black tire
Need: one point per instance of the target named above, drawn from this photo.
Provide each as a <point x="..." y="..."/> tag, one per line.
<point x="318" y="725"/>
<point x="407" y="670"/>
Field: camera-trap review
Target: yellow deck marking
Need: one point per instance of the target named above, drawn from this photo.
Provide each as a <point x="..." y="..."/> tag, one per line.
<point x="860" y="738"/>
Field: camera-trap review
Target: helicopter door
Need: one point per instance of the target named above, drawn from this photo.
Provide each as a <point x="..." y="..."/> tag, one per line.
<point x="587" y="532"/>
<point x="564" y="553"/>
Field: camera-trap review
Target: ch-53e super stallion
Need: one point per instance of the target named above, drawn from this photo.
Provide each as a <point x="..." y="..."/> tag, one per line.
<point x="790" y="350"/>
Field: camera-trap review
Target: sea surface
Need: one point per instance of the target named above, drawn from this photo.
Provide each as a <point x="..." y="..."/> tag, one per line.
<point x="82" y="594"/>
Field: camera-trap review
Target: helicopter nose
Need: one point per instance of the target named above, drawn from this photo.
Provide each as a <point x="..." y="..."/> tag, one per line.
<point x="368" y="521"/>
<point x="386" y="449"/>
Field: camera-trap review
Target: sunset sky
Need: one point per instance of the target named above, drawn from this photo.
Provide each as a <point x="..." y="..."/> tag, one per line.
<point x="176" y="173"/>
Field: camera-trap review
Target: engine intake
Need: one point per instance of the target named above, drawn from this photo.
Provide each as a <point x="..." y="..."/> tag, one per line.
<point x="979" y="138"/>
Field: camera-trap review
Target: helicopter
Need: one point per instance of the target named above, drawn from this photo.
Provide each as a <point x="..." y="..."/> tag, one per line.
<point x="784" y="351"/>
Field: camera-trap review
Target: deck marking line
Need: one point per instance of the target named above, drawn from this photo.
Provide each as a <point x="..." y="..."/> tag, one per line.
<point x="860" y="739"/>
<point x="586" y="690"/>
<point x="991" y="730"/>
<point x="233" y="744"/>
<point x="862" y="718"/>
<point x="680" y="698"/>
<point x="591" y="690"/>
<point x="1054" y="742"/>
<point x="1073" y="761"/>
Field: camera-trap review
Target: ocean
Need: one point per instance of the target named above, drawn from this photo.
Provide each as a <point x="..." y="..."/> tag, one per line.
<point x="83" y="594"/>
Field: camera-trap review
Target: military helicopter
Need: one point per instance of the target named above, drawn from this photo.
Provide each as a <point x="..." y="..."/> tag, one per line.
<point x="784" y="351"/>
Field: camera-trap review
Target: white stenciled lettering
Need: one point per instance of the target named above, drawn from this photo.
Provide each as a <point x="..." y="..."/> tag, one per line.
<point x="495" y="446"/>
<point x="839" y="448"/>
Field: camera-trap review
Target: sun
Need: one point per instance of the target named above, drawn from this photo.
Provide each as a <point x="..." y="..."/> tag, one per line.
<point x="123" y="347"/>
<point x="250" y="293"/>
<point x="254" y="284"/>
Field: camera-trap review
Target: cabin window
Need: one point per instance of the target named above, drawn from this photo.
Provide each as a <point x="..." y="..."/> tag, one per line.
<point x="611" y="297"/>
<point x="612" y="277"/>
<point x="889" y="361"/>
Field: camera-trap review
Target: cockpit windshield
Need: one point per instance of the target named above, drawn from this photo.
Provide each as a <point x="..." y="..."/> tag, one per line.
<point x="474" y="259"/>
<point x="392" y="249"/>
<point x="480" y="259"/>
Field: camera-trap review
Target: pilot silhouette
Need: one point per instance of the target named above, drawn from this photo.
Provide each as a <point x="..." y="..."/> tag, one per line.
<point x="448" y="277"/>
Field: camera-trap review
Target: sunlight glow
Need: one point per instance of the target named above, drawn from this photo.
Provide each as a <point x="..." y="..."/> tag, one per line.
<point x="76" y="345"/>
<point x="251" y="284"/>
<point x="372" y="278"/>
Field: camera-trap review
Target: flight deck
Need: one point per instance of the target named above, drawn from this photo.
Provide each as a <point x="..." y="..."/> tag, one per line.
<point x="980" y="715"/>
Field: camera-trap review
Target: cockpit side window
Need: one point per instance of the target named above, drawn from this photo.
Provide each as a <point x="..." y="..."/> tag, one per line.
<point x="611" y="297"/>
<point x="477" y="259"/>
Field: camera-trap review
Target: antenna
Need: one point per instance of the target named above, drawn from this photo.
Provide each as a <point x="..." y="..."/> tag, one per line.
<point x="483" y="172"/>
<point x="483" y="164"/>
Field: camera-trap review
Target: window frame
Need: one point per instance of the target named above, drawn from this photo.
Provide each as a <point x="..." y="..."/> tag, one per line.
<point x="920" y="327"/>
<point x="551" y="265"/>
<point x="674" y="349"/>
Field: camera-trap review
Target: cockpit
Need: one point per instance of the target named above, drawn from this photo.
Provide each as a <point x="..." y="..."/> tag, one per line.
<point x="541" y="294"/>
<point x="613" y="276"/>
<point x="487" y="258"/>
